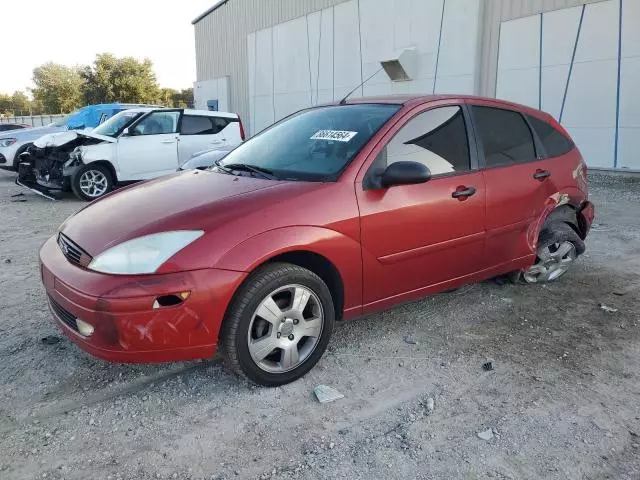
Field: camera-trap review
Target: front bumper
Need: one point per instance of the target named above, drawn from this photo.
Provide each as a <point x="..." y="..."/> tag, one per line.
<point x="127" y="327"/>
<point x="586" y="215"/>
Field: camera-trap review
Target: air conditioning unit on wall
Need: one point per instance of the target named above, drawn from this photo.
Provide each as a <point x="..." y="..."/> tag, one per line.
<point x="403" y="67"/>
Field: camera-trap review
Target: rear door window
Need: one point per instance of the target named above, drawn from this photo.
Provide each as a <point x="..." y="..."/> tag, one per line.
<point x="220" y="123"/>
<point x="192" y="125"/>
<point x="202" y="125"/>
<point x="505" y="136"/>
<point x="554" y="142"/>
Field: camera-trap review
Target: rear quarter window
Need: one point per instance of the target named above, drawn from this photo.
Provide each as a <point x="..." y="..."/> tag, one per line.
<point x="554" y="142"/>
<point x="203" y="125"/>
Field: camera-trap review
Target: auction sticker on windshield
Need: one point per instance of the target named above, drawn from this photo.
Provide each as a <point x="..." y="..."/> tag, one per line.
<point x="337" y="135"/>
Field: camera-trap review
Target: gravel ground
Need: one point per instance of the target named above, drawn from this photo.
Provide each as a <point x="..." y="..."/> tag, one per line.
<point x="563" y="399"/>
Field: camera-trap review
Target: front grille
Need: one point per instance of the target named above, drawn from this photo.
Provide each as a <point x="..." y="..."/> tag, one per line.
<point x="67" y="317"/>
<point x="73" y="252"/>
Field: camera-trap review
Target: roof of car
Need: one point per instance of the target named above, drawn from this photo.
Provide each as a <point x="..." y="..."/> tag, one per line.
<point x="412" y="100"/>
<point x="210" y="113"/>
<point x="188" y="111"/>
<point x="121" y="105"/>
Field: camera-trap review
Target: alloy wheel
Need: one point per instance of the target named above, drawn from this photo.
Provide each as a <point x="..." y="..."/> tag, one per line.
<point x="553" y="262"/>
<point x="285" y="328"/>
<point x="93" y="183"/>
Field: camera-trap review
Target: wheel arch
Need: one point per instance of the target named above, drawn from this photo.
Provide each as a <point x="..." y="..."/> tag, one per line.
<point x="560" y="207"/>
<point x="331" y="255"/>
<point x="105" y="163"/>
<point x="321" y="266"/>
<point x="567" y="214"/>
<point x="23" y="148"/>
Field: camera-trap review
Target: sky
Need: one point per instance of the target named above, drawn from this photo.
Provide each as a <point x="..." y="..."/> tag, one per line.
<point x="72" y="32"/>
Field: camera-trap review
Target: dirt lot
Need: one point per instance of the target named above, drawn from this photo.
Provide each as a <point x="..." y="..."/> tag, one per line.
<point x="563" y="399"/>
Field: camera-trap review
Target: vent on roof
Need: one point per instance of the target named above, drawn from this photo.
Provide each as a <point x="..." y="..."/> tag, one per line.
<point x="403" y="67"/>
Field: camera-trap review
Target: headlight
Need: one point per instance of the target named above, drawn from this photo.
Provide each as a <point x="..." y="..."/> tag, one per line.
<point x="144" y="254"/>
<point x="75" y="155"/>
<point x="5" y="142"/>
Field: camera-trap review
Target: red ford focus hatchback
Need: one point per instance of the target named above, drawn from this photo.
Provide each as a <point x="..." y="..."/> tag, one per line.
<point x="333" y="213"/>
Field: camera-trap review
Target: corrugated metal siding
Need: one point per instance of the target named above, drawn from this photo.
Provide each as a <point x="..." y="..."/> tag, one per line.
<point x="496" y="11"/>
<point x="221" y="37"/>
<point x="230" y="24"/>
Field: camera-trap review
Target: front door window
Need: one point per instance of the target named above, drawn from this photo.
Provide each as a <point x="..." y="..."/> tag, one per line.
<point x="157" y="123"/>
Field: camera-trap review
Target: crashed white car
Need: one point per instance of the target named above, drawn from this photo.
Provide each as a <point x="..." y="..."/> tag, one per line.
<point x="136" y="144"/>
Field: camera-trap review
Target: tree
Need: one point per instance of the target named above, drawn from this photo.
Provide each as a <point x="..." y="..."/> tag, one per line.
<point x="5" y="104"/>
<point x="184" y="98"/>
<point x="58" y="88"/>
<point x="165" y="97"/>
<point x="17" y="104"/>
<point x="21" y="104"/>
<point x="176" y="99"/>
<point x="112" y="79"/>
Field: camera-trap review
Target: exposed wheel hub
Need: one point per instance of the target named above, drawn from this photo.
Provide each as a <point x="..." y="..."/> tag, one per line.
<point x="286" y="327"/>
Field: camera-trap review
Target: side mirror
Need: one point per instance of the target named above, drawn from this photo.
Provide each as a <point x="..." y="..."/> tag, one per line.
<point x="404" y="173"/>
<point x="126" y="132"/>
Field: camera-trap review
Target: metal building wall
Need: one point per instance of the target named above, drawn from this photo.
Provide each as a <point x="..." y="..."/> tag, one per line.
<point x="496" y="11"/>
<point x="232" y="22"/>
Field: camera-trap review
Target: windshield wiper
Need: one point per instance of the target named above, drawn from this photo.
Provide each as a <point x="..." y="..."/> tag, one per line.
<point x="222" y="167"/>
<point x="263" y="172"/>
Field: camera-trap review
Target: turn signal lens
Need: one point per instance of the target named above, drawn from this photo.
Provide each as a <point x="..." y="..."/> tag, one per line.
<point x="84" y="328"/>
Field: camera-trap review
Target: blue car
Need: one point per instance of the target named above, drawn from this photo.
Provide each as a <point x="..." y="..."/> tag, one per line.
<point x="15" y="142"/>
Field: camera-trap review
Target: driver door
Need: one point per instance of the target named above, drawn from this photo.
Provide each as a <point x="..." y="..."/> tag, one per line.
<point x="419" y="236"/>
<point x="150" y="149"/>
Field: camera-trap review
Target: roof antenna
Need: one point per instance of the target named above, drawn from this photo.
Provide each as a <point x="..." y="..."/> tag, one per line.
<point x="344" y="100"/>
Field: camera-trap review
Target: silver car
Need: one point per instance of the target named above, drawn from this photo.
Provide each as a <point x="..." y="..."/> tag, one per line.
<point x="14" y="142"/>
<point x="204" y="159"/>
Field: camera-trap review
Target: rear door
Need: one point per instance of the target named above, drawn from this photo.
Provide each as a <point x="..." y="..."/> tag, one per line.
<point x="416" y="236"/>
<point x="516" y="178"/>
<point x="204" y="132"/>
<point x="150" y="149"/>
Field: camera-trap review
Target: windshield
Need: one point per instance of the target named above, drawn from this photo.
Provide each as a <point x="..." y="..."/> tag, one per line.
<point x="64" y="120"/>
<point x="312" y="145"/>
<point x="117" y="123"/>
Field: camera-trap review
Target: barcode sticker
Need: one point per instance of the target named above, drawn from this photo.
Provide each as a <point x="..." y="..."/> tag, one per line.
<point x="334" y="135"/>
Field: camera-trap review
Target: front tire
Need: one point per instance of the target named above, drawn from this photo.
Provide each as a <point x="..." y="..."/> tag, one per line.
<point x="558" y="248"/>
<point x="278" y="324"/>
<point x="91" y="182"/>
<point x="21" y="150"/>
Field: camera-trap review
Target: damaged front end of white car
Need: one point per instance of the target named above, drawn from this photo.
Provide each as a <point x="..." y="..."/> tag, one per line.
<point x="47" y="167"/>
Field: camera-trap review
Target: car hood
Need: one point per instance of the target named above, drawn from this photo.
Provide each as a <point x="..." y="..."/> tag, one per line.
<point x="62" y="138"/>
<point x="193" y="200"/>
<point x="31" y="133"/>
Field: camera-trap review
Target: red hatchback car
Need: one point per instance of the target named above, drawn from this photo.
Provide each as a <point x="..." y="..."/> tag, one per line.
<point x="332" y="213"/>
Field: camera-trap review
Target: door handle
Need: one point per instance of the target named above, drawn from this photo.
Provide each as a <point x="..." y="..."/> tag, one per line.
<point x="462" y="192"/>
<point x="541" y="174"/>
<point x="169" y="141"/>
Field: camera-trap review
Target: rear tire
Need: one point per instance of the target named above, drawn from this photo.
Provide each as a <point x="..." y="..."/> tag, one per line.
<point x="278" y="324"/>
<point x="558" y="248"/>
<point x="91" y="182"/>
